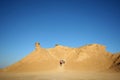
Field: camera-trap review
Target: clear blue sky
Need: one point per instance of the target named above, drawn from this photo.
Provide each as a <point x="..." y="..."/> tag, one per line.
<point x="71" y="23"/>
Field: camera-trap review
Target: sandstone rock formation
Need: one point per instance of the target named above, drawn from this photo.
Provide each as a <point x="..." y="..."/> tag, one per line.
<point x="93" y="57"/>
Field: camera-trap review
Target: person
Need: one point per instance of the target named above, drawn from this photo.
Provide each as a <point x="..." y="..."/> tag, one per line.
<point x="62" y="62"/>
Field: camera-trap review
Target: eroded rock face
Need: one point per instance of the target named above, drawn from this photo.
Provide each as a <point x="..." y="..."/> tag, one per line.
<point x="92" y="57"/>
<point x="115" y="62"/>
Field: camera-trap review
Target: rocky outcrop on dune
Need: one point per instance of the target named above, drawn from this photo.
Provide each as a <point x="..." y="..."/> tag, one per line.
<point x="93" y="57"/>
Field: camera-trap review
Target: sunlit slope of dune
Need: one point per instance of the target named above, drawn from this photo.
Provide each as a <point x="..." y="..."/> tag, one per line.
<point x="93" y="57"/>
<point x="90" y="57"/>
<point x="38" y="60"/>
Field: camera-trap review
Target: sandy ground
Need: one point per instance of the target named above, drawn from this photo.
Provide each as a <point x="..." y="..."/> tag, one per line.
<point x="60" y="76"/>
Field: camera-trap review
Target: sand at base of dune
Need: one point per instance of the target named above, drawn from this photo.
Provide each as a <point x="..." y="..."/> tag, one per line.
<point x="60" y="76"/>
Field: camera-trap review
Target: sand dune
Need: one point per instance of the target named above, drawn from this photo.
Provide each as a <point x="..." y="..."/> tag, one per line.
<point x="89" y="62"/>
<point x="93" y="57"/>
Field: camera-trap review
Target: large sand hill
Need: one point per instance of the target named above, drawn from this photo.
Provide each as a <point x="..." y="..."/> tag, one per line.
<point x="90" y="62"/>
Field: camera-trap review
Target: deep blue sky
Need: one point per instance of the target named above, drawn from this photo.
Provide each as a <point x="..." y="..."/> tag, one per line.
<point x="71" y="23"/>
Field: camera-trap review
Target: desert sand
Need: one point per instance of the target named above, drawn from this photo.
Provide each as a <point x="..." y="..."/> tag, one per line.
<point x="60" y="76"/>
<point x="89" y="62"/>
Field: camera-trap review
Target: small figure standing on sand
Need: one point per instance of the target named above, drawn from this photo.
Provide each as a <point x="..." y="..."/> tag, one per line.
<point x="62" y="62"/>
